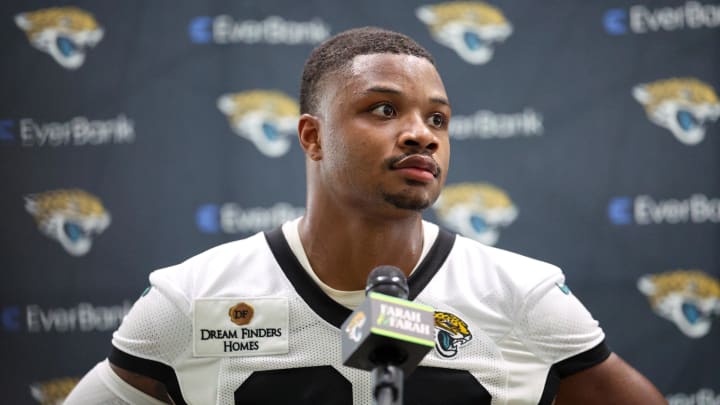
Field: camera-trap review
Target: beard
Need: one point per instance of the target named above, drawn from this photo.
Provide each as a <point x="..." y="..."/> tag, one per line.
<point x="409" y="201"/>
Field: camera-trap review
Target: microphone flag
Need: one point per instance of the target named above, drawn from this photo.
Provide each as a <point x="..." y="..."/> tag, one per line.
<point x="388" y="326"/>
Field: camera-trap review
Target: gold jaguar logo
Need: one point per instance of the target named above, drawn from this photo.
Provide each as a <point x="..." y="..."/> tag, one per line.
<point x="69" y="216"/>
<point x="53" y="392"/>
<point x="688" y="298"/>
<point x="451" y="332"/>
<point x="62" y="32"/>
<point x="682" y="106"/>
<point x="354" y="327"/>
<point x="476" y="210"/>
<point x="469" y="28"/>
<point x="267" y="118"/>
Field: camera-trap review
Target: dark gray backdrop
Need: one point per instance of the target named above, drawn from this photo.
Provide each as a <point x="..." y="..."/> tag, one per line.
<point x="576" y="173"/>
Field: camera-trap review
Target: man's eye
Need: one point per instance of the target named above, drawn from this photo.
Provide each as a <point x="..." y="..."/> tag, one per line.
<point x="384" y="110"/>
<point x="437" y="120"/>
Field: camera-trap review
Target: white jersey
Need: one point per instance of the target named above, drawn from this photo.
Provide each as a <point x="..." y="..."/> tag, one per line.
<point x="243" y="323"/>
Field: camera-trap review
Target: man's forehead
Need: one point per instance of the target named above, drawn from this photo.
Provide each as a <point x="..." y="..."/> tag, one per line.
<point x="381" y="70"/>
<point x="382" y="62"/>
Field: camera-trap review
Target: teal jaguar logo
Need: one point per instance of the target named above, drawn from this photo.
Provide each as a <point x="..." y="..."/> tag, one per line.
<point x="53" y="392"/>
<point x="688" y="298"/>
<point x="682" y="106"/>
<point x="72" y="217"/>
<point x="476" y="210"/>
<point x="451" y="333"/>
<point x="62" y="32"/>
<point x="469" y="28"/>
<point x="267" y="118"/>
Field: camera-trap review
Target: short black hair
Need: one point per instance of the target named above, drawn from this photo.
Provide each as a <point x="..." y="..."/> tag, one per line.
<point x="338" y="51"/>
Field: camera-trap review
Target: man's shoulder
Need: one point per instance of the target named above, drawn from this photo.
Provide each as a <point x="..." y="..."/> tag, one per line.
<point x="505" y="266"/>
<point x="215" y="265"/>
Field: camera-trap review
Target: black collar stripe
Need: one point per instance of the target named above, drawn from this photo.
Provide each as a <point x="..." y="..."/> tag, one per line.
<point x="325" y="306"/>
<point x="305" y="286"/>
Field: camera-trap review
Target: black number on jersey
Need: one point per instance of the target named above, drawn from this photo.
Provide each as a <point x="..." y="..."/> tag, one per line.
<point x="304" y="385"/>
<point x="325" y="385"/>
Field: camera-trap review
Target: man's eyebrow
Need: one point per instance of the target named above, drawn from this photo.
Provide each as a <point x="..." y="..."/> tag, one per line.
<point x="440" y="100"/>
<point x="382" y="89"/>
<point x="389" y="90"/>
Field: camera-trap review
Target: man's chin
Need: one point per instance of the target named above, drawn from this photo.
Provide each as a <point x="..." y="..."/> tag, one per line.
<point x="408" y="202"/>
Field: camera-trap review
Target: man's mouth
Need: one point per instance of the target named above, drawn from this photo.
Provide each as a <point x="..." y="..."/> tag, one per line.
<point x="417" y="162"/>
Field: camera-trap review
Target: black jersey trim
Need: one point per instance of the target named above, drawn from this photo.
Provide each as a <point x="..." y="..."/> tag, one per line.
<point x="581" y="361"/>
<point x="149" y="368"/>
<point x="434" y="259"/>
<point x="570" y="366"/>
<point x="325" y="306"/>
<point x="306" y="287"/>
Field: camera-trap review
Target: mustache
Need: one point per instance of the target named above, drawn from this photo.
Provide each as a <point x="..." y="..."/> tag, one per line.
<point x="390" y="163"/>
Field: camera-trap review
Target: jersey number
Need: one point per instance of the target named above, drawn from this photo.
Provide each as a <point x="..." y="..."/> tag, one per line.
<point x="325" y="385"/>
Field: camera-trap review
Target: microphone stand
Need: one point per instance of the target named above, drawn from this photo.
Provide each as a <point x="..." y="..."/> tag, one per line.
<point x="387" y="385"/>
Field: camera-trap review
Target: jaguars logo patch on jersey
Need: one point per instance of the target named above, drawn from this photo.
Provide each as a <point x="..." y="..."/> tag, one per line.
<point x="681" y="105"/>
<point x="53" y="392"/>
<point x="354" y="327"/>
<point x="266" y="118"/>
<point x="469" y="28"/>
<point x="71" y="217"/>
<point x="688" y="298"/>
<point x="62" y="32"/>
<point x="476" y="210"/>
<point x="451" y="333"/>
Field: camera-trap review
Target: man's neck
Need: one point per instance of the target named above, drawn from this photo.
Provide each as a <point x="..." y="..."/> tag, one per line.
<point x="342" y="252"/>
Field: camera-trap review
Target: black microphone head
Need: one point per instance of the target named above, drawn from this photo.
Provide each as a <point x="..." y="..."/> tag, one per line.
<point x="388" y="280"/>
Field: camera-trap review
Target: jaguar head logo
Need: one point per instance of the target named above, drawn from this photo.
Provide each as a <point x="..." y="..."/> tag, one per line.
<point x="72" y="217"/>
<point x="266" y="118"/>
<point x="354" y="327"/>
<point x="53" y="392"/>
<point x="451" y="333"/>
<point x="469" y="28"/>
<point x="62" y="32"/>
<point x="476" y="210"/>
<point x="682" y="106"/>
<point x="688" y="298"/>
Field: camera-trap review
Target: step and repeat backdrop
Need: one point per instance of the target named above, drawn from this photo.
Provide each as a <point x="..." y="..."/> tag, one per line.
<point x="136" y="134"/>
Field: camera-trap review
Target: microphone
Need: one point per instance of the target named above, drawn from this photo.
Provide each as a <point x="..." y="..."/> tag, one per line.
<point x="387" y="334"/>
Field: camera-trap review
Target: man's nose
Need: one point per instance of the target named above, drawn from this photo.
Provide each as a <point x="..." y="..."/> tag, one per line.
<point x="418" y="136"/>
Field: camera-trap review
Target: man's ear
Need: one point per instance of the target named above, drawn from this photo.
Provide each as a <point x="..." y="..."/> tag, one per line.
<point x="309" y="135"/>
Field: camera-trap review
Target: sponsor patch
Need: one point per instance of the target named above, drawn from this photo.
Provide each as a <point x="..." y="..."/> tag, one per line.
<point x="228" y="327"/>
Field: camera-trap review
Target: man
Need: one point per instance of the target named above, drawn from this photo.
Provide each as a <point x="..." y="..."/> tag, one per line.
<point x="256" y="321"/>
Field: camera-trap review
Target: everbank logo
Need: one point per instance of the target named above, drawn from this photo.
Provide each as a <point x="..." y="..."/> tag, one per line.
<point x="273" y="30"/>
<point x="485" y="124"/>
<point x="639" y="19"/>
<point x="231" y="218"/>
<point x="704" y="396"/>
<point x="78" y="131"/>
<point x="646" y="210"/>
<point x="83" y="317"/>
